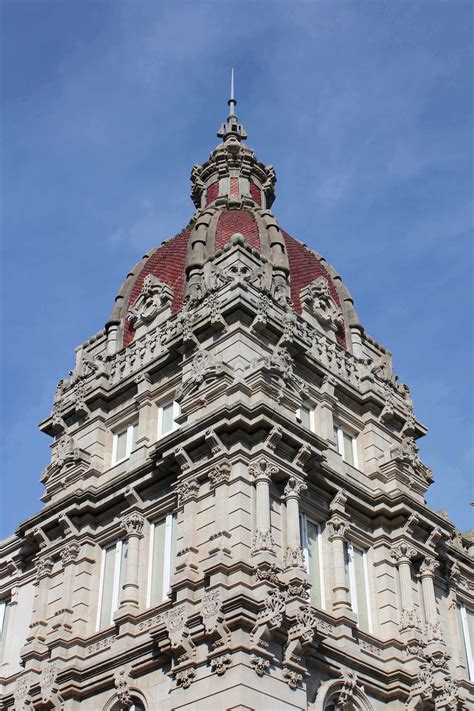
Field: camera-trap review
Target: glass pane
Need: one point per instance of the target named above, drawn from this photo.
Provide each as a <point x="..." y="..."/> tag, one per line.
<point x="470" y="626"/>
<point x="123" y="570"/>
<point x="134" y="429"/>
<point x="173" y="546"/>
<point x="108" y="583"/>
<point x="121" y="446"/>
<point x="314" y="563"/>
<point x="156" y="594"/>
<point x="4" y="613"/>
<point x="361" y="590"/>
<point x="348" y="453"/>
<point x="346" y="567"/>
<point x="167" y="418"/>
<point x="462" y="643"/>
<point x="336" y="439"/>
<point x="305" y="416"/>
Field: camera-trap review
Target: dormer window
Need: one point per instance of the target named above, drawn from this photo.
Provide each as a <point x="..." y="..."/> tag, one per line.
<point x="346" y="445"/>
<point x="168" y="413"/>
<point x="124" y="441"/>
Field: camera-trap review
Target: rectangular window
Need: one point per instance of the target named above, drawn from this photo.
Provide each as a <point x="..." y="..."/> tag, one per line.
<point x="162" y="559"/>
<point x="4" y="613"/>
<point x="167" y="415"/>
<point x="305" y="414"/>
<point x="123" y="443"/>
<point x="346" y="446"/>
<point x="112" y="575"/>
<point x="311" y="543"/>
<point x="358" y="581"/>
<point x="466" y="630"/>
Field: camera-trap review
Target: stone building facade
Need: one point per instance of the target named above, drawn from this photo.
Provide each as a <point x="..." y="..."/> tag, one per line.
<point x="234" y="513"/>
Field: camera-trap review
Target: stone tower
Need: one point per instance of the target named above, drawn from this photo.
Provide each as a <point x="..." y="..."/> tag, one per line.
<point x="234" y="513"/>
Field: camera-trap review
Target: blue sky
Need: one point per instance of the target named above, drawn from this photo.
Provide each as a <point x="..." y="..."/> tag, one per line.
<point x="365" y="110"/>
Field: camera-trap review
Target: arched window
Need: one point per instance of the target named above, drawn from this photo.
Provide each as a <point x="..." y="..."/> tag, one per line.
<point x="134" y="705"/>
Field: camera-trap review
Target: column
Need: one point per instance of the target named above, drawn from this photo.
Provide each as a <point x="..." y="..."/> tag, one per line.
<point x="294" y="554"/>
<point x="427" y="570"/>
<point x="402" y="555"/>
<point x="262" y="472"/>
<point x="324" y="413"/>
<point x="132" y="523"/>
<point x="219" y="479"/>
<point x="186" y="563"/>
<point x="68" y="555"/>
<point x="145" y="406"/>
<point x="44" y="567"/>
<point x="337" y="527"/>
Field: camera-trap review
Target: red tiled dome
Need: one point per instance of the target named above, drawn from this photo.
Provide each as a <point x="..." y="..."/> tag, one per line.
<point x="168" y="262"/>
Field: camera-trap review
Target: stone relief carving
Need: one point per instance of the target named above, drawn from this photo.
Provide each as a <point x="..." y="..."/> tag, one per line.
<point x="69" y="552"/>
<point x="317" y="298"/>
<point x="406" y="452"/>
<point x="294" y="487"/>
<point x="292" y="678"/>
<point x="219" y="665"/>
<point x="212" y="618"/>
<point x="187" y="490"/>
<point x="185" y="678"/>
<point x="132" y="524"/>
<point x="22" y="691"/>
<point x="153" y="296"/>
<point x="220" y="474"/>
<point x="204" y="365"/>
<point x="262" y="541"/>
<point x="122" y="685"/>
<point x="349" y="686"/>
<point x="259" y="664"/>
<point x="337" y="527"/>
<point x="175" y="621"/>
<point x="263" y="469"/>
<point x="294" y="558"/>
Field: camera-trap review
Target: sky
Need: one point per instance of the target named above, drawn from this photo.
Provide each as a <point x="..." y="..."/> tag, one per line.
<point x="365" y="111"/>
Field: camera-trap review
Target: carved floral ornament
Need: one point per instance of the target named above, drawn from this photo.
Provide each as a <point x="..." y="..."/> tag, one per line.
<point x="187" y="490"/>
<point x="133" y="524"/>
<point x="337" y="526"/>
<point x="220" y="474"/>
<point x="428" y="567"/>
<point x="44" y="567"/>
<point x="69" y="552"/>
<point x="263" y="470"/>
<point x="403" y="553"/>
<point x="294" y="487"/>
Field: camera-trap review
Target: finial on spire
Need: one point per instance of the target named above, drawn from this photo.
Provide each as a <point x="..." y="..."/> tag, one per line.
<point x="232" y="102"/>
<point x="232" y="129"/>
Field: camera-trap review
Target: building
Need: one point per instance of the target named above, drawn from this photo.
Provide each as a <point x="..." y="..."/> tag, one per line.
<point x="234" y="512"/>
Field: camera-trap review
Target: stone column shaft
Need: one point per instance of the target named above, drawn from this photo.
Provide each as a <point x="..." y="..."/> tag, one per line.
<point x="337" y="528"/>
<point x="133" y="525"/>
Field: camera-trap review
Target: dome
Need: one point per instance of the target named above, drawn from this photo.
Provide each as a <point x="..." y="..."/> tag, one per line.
<point x="233" y="193"/>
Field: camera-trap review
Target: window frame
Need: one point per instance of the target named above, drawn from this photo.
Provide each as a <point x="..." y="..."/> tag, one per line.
<point x="340" y="432"/>
<point x="4" y="615"/>
<point x="466" y="640"/>
<point x="176" y="414"/>
<point x="129" y="442"/>
<point x="353" y="584"/>
<point x="170" y="522"/>
<point x="312" y="416"/>
<point x="117" y="574"/>
<point x="304" y="545"/>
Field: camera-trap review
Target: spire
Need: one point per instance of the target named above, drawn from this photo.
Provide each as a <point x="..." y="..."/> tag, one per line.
<point x="232" y="102"/>
<point x="232" y="129"/>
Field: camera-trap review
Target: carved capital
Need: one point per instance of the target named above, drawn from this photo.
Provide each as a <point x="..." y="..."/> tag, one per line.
<point x="44" y="567"/>
<point x="69" y="552"/>
<point x="263" y="470"/>
<point x="403" y="553"/>
<point x="294" y="487"/>
<point x="132" y="524"/>
<point x="337" y="527"/>
<point x="428" y="566"/>
<point x="187" y="490"/>
<point x="220" y="474"/>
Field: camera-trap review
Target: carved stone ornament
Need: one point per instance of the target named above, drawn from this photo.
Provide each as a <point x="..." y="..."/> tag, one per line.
<point x="281" y="364"/>
<point x="210" y="609"/>
<point x="175" y="623"/>
<point x="203" y="366"/>
<point x="263" y="470"/>
<point x="187" y="490"/>
<point x="64" y="450"/>
<point x="339" y="502"/>
<point x="185" y="678"/>
<point x="267" y="572"/>
<point x="274" y="607"/>
<point x="259" y="664"/>
<point x="153" y="296"/>
<point x="403" y="553"/>
<point x="220" y="474"/>
<point x="349" y="686"/>
<point x="337" y="527"/>
<point x="294" y="487"/>
<point x="428" y="566"/>
<point x="49" y="673"/>
<point x="317" y="297"/>
<point x="273" y="438"/>
<point x="22" y="690"/>
<point x="133" y="524"/>
<point x="122" y="686"/>
<point x="69" y="552"/>
<point x="409" y="619"/>
<point x="219" y="665"/>
<point x="262" y="541"/>
<point x="407" y="454"/>
<point x="213" y="441"/>
<point x="294" y="558"/>
<point x="44" y="567"/>
<point x="292" y="678"/>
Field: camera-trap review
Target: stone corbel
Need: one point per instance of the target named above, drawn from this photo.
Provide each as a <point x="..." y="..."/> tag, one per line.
<point x="175" y="621"/>
<point x="214" y="442"/>
<point x="273" y="438"/>
<point x="269" y="619"/>
<point x="213" y="620"/>
<point x="300" y="635"/>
